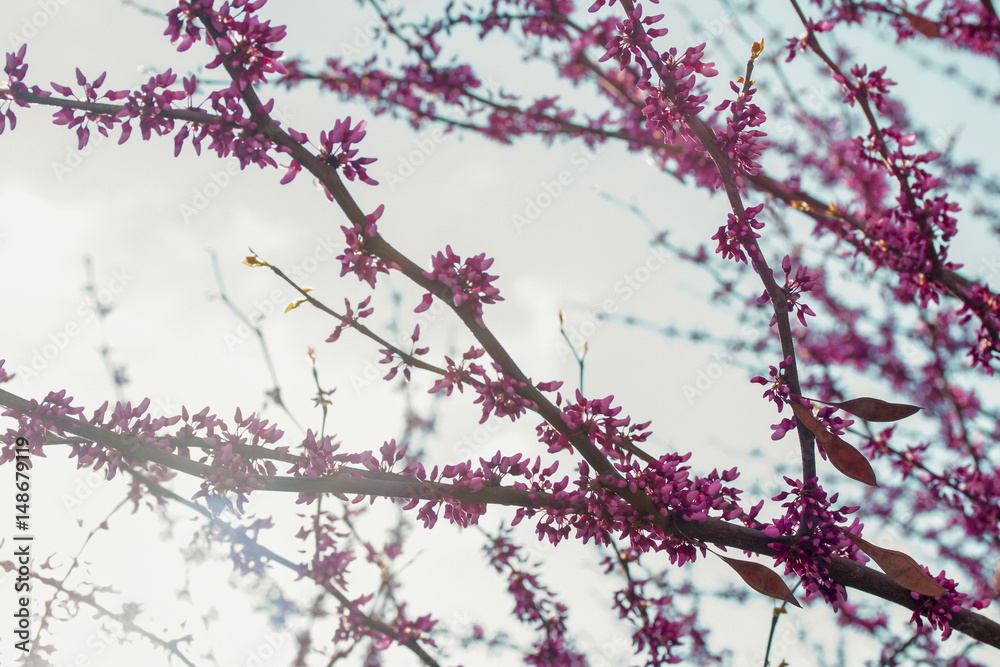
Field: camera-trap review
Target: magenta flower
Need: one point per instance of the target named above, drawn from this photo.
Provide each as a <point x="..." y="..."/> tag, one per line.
<point x="871" y="86"/>
<point x="357" y="259"/>
<point x="4" y="376"/>
<point x="796" y="45"/>
<point x="736" y="235"/>
<point x="600" y="421"/>
<point x="469" y="283"/>
<point x="803" y="282"/>
<point x="146" y="103"/>
<point x="740" y="140"/>
<point x="15" y="70"/>
<point x="806" y="555"/>
<point x="403" y="362"/>
<point x="938" y="610"/>
<point x="457" y="374"/>
<point x="81" y="119"/>
<point x="350" y="318"/>
<point x="243" y="41"/>
<point x="38" y="418"/>
<point x="502" y="396"/>
<point x="979" y="300"/>
<point x="777" y="390"/>
<point x="337" y="150"/>
<point x="633" y="40"/>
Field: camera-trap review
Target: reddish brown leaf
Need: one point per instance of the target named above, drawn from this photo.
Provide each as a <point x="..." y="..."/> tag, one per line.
<point x="925" y="27"/>
<point x="762" y="579"/>
<point x="900" y="567"/>
<point x="876" y="410"/>
<point x="842" y="455"/>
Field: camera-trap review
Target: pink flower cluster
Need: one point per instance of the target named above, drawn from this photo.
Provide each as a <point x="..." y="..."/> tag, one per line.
<point x="741" y="140"/>
<point x="456" y="375"/>
<point x="811" y="537"/>
<point x="735" y="236"/>
<point x="502" y="396"/>
<point x="243" y="41"/>
<point x="350" y="318"/>
<point x="70" y="118"/>
<point x="234" y="472"/>
<point x="337" y="150"/>
<point x="535" y="605"/>
<point x="357" y="258"/>
<point x="938" y="610"/>
<point x="36" y="420"/>
<point x="16" y="71"/>
<point x="600" y="422"/>
<point x="679" y="94"/>
<point x="467" y="282"/>
<point x="633" y="41"/>
<point x="403" y="363"/>
<point x="793" y="289"/>
<point x="660" y="628"/>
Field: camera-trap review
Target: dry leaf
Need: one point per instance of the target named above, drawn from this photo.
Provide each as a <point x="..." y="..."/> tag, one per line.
<point x="900" y="568"/>
<point x="762" y="579"/>
<point x="925" y="27"/>
<point x="842" y="455"/>
<point x="253" y="260"/>
<point x="876" y="410"/>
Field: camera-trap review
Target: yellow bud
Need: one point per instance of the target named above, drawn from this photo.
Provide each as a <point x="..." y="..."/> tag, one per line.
<point x="253" y="260"/>
<point x="757" y="49"/>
